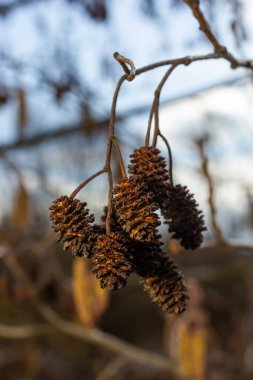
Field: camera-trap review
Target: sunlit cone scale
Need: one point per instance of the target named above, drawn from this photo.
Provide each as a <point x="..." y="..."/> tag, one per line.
<point x="167" y="288"/>
<point x="135" y="210"/>
<point x="72" y="220"/>
<point x="149" y="167"/>
<point x="111" y="263"/>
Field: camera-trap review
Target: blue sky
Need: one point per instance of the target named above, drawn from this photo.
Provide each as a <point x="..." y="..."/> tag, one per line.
<point x="31" y="35"/>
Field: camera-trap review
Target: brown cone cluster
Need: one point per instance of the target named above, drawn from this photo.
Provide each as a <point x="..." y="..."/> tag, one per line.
<point x="132" y="243"/>
<point x="72" y="220"/>
<point x="135" y="210"/>
<point x="185" y="221"/>
<point x="147" y="166"/>
<point x="177" y="205"/>
<point x="111" y="262"/>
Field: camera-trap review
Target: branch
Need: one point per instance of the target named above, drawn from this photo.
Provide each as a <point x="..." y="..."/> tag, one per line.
<point x="111" y="133"/>
<point x="84" y="183"/>
<point x="124" y="62"/>
<point x="155" y="108"/>
<point x="112" y="369"/>
<point x="107" y="167"/>
<point x="204" y="26"/>
<point x="24" y="332"/>
<point x="92" y="336"/>
<point x="169" y="156"/>
<point x="187" y="60"/>
<point x="212" y="256"/>
<point x="218" y="48"/>
<point x="157" y="101"/>
<point x="205" y="169"/>
<point x="112" y="140"/>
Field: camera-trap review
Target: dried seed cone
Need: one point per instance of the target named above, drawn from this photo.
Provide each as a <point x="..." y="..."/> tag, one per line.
<point x="149" y="167"/>
<point x="185" y="220"/>
<point x="111" y="263"/>
<point x="72" y="220"/>
<point x="167" y="288"/>
<point x="146" y="257"/>
<point x="135" y="210"/>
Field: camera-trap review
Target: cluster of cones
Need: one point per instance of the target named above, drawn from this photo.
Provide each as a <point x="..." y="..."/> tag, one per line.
<point x="133" y="245"/>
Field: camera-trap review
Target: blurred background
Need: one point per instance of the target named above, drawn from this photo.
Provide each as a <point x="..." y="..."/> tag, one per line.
<point x="57" y="77"/>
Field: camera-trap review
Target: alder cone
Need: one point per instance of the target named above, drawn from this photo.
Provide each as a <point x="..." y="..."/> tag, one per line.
<point x="183" y="217"/>
<point x="111" y="263"/>
<point x="72" y="220"/>
<point x="135" y="210"/>
<point x="149" y="167"/>
<point x="167" y="287"/>
<point x="146" y="257"/>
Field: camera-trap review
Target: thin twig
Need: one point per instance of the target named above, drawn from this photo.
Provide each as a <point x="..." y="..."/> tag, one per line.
<point x="109" y="206"/>
<point x="123" y="61"/>
<point x="187" y="60"/>
<point x="219" y="48"/>
<point x="157" y="101"/>
<point x="111" y="133"/>
<point x="147" y="139"/>
<point x="204" y="26"/>
<point x="204" y="163"/>
<point x="84" y="183"/>
<point x="107" y="168"/>
<point x="120" y="158"/>
<point x="170" y="156"/>
<point x="112" y="140"/>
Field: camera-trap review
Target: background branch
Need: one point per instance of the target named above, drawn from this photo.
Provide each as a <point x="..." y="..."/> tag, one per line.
<point x="92" y="336"/>
<point x="66" y="131"/>
<point x="24" y="332"/>
<point x="205" y="170"/>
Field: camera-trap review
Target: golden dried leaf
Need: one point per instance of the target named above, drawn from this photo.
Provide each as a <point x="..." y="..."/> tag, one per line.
<point x="187" y="338"/>
<point x="90" y="300"/>
<point x="22" y="111"/>
<point x="192" y="352"/>
<point x="20" y="208"/>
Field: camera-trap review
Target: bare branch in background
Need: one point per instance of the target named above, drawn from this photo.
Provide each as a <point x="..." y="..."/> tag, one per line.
<point x="66" y="131"/>
<point x="9" y="7"/>
<point x="205" y="170"/>
<point x="112" y="369"/>
<point x="24" y="332"/>
<point x="92" y="336"/>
